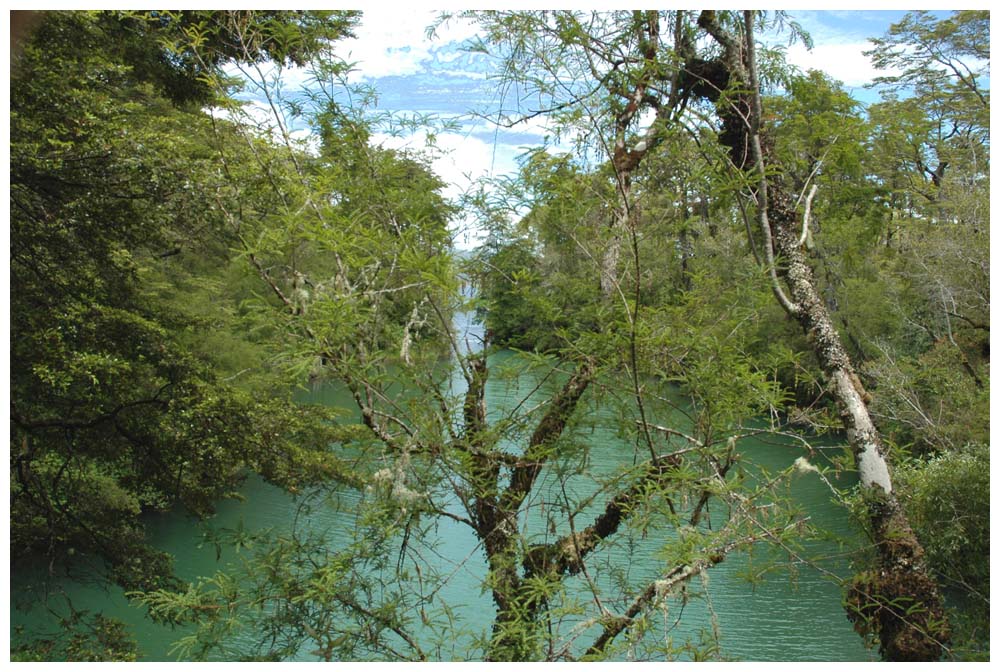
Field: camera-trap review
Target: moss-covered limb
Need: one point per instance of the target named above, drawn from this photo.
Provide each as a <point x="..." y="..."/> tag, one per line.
<point x="485" y="467"/>
<point x="624" y="158"/>
<point x="897" y="603"/>
<point x="368" y="416"/>
<point x="496" y="518"/>
<point x="903" y="577"/>
<point x="651" y="594"/>
<point x="491" y="525"/>
<point x="549" y="428"/>
<point x="495" y="514"/>
<point x="565" y="557"/>
<point x="474" y="408"/>
<point x="484" y="473"/>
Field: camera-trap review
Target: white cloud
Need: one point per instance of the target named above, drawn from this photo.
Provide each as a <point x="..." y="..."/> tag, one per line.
<point x="464" y="74"/>
<point x="306" y="140"/>
<point x="844" y="61"/>
<point x="392" y="41"/>
<point x="449" y="57"/>
<point x="458" y="158"/>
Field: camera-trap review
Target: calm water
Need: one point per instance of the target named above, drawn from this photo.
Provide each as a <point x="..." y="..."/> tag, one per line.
<point x="790" y="616"/>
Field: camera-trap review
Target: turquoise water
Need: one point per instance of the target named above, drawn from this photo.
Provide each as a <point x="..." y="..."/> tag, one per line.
<point x="784" y="618"/>
<point x="792" y="615"/>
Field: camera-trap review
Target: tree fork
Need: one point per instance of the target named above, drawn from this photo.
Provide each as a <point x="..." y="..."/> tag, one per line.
<point x="565" y="557"/>
<point x="497" y="525"/>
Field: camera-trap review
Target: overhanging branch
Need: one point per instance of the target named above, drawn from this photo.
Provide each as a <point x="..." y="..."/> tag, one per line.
<point x="566" y="555"/>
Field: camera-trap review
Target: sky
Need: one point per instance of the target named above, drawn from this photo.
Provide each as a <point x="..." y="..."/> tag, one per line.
<point x="412" y="72"/>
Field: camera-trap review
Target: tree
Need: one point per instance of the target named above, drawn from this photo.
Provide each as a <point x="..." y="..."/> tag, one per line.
<point x="435" y="451"/>
<point x="931" y="135"/>
<point x="179" y="51"/>
<point x="947" y="56"/>
<point x="119" y="404"/>
<point x="610" y="66"/>
<point x="901" y="575"/>
<point x="936" y="141"/>
<point x="728" y="78"/>
<point x="343" y="268"/>
<point x="534" y="280"/>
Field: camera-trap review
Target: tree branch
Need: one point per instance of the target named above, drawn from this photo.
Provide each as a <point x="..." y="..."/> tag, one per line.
<point x="548" y="430"/>
<point x="656" y="591"/>
<point x="758" y="157"/>
<point x="805" y="216"/>
<point x="565" y="556"/>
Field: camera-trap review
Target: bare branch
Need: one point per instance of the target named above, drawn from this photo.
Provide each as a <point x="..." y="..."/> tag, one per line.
<point x="805" y="216"/>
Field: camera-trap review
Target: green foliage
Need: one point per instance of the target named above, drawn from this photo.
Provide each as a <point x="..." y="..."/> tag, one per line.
<point x="948" y="500"/>
<point x="931" y="402"/>
<point x="296" y="594"/>
<point x="535" y="284"/>
<point x="937" y="137"/>
<point x="944" y="60"/>
<point x="513" y="305"/>
<point x="84" y="638"/>
<point x="174" y="274"/>
<point x="180" y="51"/>
<point x="821" y="138"/>
<point x="117" y="256"/>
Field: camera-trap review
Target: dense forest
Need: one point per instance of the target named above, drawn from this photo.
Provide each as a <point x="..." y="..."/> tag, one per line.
<point x="727" y="231"/>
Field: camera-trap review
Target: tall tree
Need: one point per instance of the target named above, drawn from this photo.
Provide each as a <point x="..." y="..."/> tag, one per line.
<point x="347" y="270"/>
<point x="916" y="631"/>
<point x="931" y="137"/>
<point x="725" y="74"/>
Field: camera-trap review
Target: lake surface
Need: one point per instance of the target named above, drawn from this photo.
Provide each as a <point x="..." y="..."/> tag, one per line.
<point x="791" y="615"/>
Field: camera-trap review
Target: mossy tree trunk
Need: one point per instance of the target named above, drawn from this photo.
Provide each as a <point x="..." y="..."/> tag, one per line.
<point x="898" y="601"/>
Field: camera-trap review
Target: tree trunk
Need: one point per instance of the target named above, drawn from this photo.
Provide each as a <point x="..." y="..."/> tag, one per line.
<point x="898" y="601"/>
<point x="878" y="600"/>
<point x="496" y="512"/>
<point x="609" y="260"/>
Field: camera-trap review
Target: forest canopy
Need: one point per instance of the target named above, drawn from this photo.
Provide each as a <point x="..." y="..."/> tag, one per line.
<point x="724" y="248"/>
